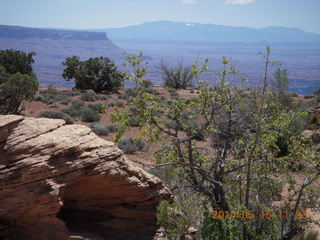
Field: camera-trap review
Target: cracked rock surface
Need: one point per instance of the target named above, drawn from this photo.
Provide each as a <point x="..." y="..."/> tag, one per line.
<point x="61" y="182"/>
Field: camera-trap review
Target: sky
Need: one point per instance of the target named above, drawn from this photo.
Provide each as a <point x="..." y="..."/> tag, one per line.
<point x="77" y="14"/>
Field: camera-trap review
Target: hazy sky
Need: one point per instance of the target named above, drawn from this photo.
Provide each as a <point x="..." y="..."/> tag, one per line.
<point x="303" y="14"/>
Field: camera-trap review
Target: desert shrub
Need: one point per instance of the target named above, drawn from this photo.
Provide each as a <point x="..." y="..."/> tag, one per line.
<point x="51" y="114"/>
<point x="174" y="222"/>
<point x="173" y="92"/>
<point x="174" y="125"/>
<point x="99" y="129"/>
<point x="89" y="115"/>
<point x="57" y="115"/>
<point x="179" y="77"/>
<point x="115" y="103"/>
<point x="163" y="98"/>
<point x="65" y="102"/>
<point x="130" y="145"/>
<point x="76" y="103"/>
<point x="133" y="109"/>
<point x="309" y="96"/>
<point x="51" y="89"/>
<point x="112" y="128"/>
<point x="149" y="90"/>
<point x="146" y="83"/>
<point x="72" y="93"/>
<point x="88" y="96"/>
<point x="39" y="98"/>
<point x="72" y="111"/>
<point x="134" y="122"/>
<point x="51" y="95"/>
<point x="68" y="119"/>
<point x="102" y="97"/>
<point x="160" y="112"/>
<point x="293" y="94"/>
<point x="297" y="123"/>
<point x="98" y="107"/>
<point x="130" y="92"/>
<point x="54" y="106"/>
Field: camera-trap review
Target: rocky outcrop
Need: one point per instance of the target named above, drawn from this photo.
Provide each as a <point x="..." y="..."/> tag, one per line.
<point x="61" y="182"/>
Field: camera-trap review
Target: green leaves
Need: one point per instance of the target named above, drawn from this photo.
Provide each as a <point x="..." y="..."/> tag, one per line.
<point x="16" y="88"/>
<point x="17" y="80"/>
<point x="99" y="74"/>
<point x="210" y="139"/>
<point x="15" y="61"/>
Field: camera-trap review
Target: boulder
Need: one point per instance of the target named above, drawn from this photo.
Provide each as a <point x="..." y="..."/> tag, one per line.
<point x="61" y="181"/>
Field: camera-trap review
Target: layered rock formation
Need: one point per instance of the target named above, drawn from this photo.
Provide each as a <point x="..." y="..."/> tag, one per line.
<point x="61" y="182"/>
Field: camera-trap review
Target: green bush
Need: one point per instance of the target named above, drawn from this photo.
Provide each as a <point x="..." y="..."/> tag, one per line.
<point x="99" y="74"/>
<point x="309" y="96"/>
<point x="51" y="114"/>
<point x="57" y="115"/>
<point x="112" y="128"/>
<point x="179" y="77"/>
<point x="98" y="107"/>
<point x="115" y="103"/>
<point x="293" y="94"/>
<point x="89" y="115"/>
<point x="175" y="224"/>
<point x="99" y="129"/>
<point x="75" y="109"/>
<point x="133" y="109"/>
<point x="65" y="102"/>
<point x="39" y="98"/>
<point x="134" y="122"/>
<point x="173" y="92"/>
<point x="51" y="95"/>
<point x="88" y="96"/>
<point x="102" y="97"/>
<point x="72" y="111"/>
<point x="130" y="92"/>
<point x="149" y="90"/>
<point x="146" y="83"/>
<point x="130" y="145"/>
<point x="76" y="103"/>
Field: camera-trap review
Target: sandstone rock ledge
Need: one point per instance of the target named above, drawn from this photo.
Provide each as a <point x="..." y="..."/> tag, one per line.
<point x="61" y="182"/>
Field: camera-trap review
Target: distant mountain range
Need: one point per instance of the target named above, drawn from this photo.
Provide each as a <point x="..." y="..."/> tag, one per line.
<point x="174" y="42"/>
<point x="186" y="31"/>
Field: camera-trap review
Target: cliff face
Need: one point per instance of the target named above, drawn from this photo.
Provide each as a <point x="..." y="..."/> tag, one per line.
<point x="61" y="182"/>
<point x="23" y="33"/>
<point x="52" y="47"/>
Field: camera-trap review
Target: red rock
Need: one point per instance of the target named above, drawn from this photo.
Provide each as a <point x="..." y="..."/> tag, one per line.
<point x="61" y="182"/>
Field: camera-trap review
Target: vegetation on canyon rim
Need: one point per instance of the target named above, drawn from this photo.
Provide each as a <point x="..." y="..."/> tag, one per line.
<point x="256" y="151"/>
<point x="254" y="148"/>
<point x="18" y="81"/>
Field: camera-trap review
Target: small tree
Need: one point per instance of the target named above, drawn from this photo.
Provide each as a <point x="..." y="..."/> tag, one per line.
<point x="15" y="61"/>
<point x="17" y="80"/>
<point x="236" y="173"/>
<point x="280" y="83"/>
<point x="179" y="77"/>
<point x="99" y="74"/>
